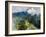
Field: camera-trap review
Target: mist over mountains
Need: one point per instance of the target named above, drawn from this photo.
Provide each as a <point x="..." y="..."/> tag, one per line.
<point x="26" y="18"/>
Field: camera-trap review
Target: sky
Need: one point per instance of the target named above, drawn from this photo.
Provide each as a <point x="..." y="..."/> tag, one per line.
<point x="31" y="10"/>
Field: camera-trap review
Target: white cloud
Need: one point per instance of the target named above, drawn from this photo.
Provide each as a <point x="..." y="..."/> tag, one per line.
<point x="32" y="11"/>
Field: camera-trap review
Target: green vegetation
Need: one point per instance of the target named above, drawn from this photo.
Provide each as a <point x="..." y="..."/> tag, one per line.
<point x="23" y="24"/>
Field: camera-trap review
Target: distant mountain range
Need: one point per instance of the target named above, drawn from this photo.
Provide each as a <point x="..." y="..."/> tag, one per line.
<point x="20" y="14"/>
